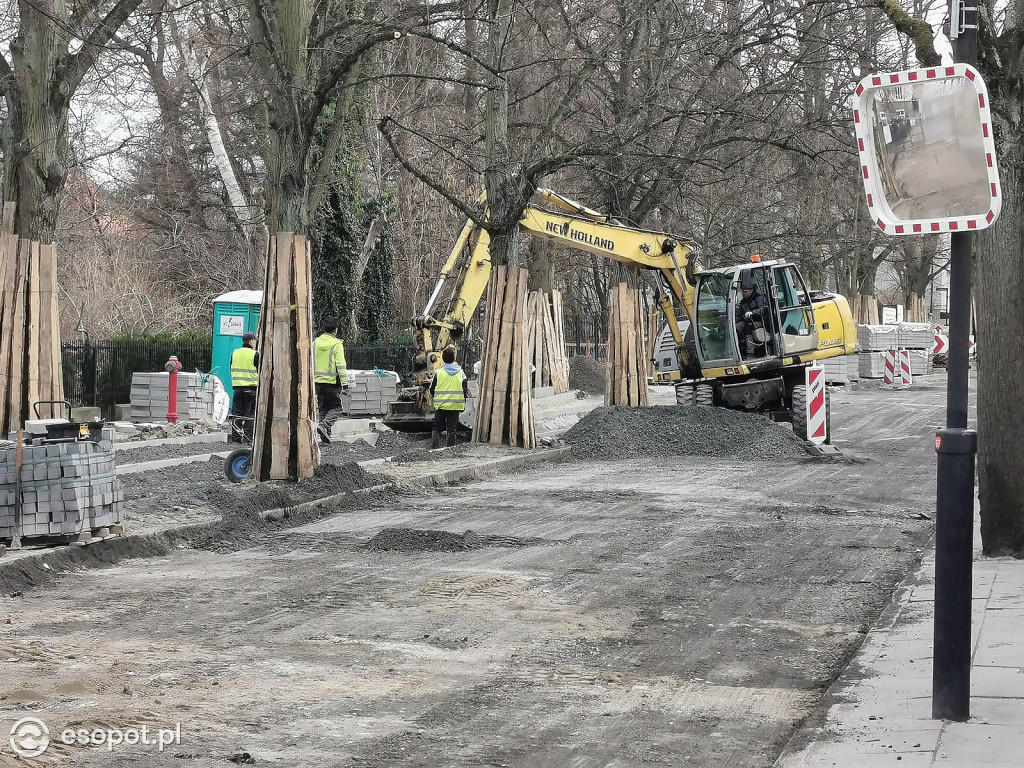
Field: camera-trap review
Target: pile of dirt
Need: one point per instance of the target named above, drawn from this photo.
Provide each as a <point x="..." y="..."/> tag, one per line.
<point x="421" y="540"/>
<point x="586" y="374"/>
<point x="668" y="430"/>
<point x="328" y="480"/>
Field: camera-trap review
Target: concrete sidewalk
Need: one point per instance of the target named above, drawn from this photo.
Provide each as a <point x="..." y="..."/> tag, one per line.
<point x="879" y="710"/>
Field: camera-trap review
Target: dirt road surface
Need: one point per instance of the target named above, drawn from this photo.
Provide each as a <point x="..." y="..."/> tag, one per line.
<point x="638" y="612"/>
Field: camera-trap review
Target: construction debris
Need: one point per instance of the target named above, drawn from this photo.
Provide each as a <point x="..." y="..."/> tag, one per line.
<point x="663" y="430"/>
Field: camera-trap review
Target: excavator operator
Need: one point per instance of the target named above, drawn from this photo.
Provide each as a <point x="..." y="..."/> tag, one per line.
<point x="751" y="313"/>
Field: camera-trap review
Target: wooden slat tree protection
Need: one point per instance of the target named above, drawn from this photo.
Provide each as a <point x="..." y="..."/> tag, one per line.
<point x="627" y="366"/>
<point x="505" y="409"/>
<point x="285" y="395"/>
<point x="30" y="352"/>
<point x="546" y="341"/>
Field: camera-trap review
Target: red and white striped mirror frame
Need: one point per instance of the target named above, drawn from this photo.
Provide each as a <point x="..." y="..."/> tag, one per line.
<point x="882" y="217"/>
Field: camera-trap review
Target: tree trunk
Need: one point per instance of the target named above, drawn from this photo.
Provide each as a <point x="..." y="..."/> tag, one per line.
<point x="1000" y="335"/>
<point x="36" y="162"/>
<point x="542" y="265"/>
<point x="999" y="267"/>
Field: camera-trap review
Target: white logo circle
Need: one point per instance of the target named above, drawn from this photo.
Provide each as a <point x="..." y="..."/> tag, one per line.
<point x="30" y="737"/>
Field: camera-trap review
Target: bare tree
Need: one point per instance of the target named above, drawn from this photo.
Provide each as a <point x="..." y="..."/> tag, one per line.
<point x="57" y="43"/>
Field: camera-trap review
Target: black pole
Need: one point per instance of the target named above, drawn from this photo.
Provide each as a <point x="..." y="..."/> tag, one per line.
<point x="956" y="446"/>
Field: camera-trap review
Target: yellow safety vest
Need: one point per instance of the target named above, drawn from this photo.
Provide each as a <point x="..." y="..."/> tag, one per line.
<point x="243" y="368"/>
<point x="329" y="365"/>
<point x="448" y="394"/>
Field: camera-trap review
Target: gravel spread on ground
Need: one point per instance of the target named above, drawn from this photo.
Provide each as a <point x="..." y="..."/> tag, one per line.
<point x="424" y="540"/>
<point x="146" y="453"/>
<point x="154" y="431"/>
<point x="587" y="374"/>
<point x="666" y="430"/>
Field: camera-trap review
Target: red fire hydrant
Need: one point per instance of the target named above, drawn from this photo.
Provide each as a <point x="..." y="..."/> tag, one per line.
<point x="172" y="366"/>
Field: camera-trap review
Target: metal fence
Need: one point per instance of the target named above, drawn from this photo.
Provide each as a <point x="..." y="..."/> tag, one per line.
<point x="586" y="335"/>
<point x="99" y="374"/>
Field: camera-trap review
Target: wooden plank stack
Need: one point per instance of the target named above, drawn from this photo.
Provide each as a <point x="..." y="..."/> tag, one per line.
<point x="286" y="395"/>
<point x="545" y="344"/>
<point x="30" y="354"/>
<point x="627" y="353"/>
<point x="505" y="409"/>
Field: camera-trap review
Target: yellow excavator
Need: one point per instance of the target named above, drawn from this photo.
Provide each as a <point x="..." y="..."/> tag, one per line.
<point x="726" y="359"/>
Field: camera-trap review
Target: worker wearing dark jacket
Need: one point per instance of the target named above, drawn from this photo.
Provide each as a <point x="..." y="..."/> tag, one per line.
<point x="245" y="376"/>
<point x="751" y="314"/>
<point x="449" y="389"/>
<point x="330" y="376"/>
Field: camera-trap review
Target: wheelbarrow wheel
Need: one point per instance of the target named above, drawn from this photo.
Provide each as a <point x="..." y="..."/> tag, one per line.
<point x="237" y="464"/>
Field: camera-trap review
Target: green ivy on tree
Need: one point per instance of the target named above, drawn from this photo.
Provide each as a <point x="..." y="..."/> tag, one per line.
<point x="366" y="310"/>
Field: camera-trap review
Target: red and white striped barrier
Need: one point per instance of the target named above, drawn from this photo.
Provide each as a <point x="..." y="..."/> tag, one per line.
<point x="889" y="375"/>
<point x="816" y="407"/>
<point x="906" y="376"/>
<point x="941" y="342"/>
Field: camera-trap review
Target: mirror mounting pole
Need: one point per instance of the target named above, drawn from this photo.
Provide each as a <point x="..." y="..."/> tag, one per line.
<point x="956" y="447"/>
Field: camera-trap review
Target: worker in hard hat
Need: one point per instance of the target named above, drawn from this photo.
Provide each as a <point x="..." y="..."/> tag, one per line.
<point x="449" y="390"/>
<point x="245" y="377"/>
<point x="330" y="375"/>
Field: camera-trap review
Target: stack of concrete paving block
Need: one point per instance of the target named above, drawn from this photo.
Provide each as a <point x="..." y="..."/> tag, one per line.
<point x="874" y="340"/>
<point x="149" y="397"/>
<point x="837" y="370"/>
<point x="877" y="338"/>
<point x="917" y="335"/>
<point x="67" y="488"/>
<point x="369" y="392"/>
<point x="852" y="366"/>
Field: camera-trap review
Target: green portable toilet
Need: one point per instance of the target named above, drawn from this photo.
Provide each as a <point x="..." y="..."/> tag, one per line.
<point x="234" y="313"/>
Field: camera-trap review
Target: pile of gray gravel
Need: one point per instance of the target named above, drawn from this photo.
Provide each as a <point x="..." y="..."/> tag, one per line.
<point x="668" y="430"/>
<point x="421" y="540"/>
<point x="587" y="374"/>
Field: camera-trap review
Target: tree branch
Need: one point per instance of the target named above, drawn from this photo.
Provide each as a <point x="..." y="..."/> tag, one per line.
<point x="919" y="31"/>
<point x="76" y="65"/>
<point x="384" y="126"/>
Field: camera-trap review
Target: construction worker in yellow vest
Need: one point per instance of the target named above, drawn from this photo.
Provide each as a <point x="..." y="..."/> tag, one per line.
<point x="330" y="376"/>
<point x="449" y="389"/>
<point x="245" y="377"/>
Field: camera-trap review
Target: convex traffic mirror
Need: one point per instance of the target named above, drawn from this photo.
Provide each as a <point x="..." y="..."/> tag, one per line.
<point x="926" y="151"/>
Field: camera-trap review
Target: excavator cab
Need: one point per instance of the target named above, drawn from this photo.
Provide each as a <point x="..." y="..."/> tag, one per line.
<point x="781" y="324"/>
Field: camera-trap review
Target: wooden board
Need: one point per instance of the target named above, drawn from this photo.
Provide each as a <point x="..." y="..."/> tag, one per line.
<point x="499" y="408"/>
<point x="45" y="321"/>
<point x="32" y="328"/>
<point x="481" y="430"/>
<point x="261" y="436"/>
<point x="280" y="416"/>
<point x="303" y="346"/>
<point x="7" y="222"/>
<point x="516" y="356"/>
<point x="8" y="275"/>
<point x="560" y="363"/>
<point x="15" y="402"/>
<point x="57" y="349"/>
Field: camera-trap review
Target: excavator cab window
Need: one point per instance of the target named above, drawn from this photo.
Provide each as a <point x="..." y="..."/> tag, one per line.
<point x="796" y="314"/>
<point x="714" y="331"/>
